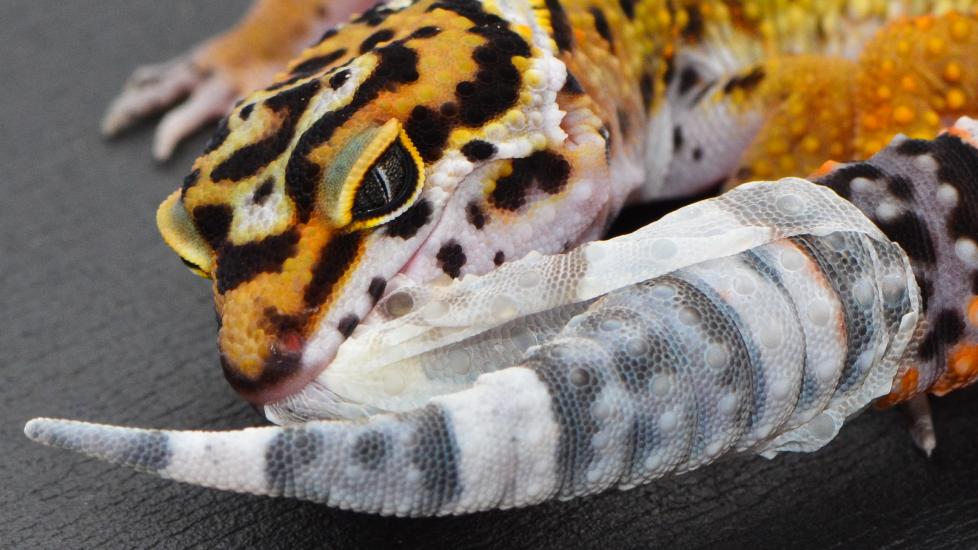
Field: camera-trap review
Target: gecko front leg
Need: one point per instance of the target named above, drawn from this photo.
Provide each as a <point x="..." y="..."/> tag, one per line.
<point x="213" y="75"/>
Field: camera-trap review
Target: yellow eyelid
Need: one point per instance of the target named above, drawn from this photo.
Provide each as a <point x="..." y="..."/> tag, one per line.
<point x="386" y="135"/>
<point x="180" y="234"/>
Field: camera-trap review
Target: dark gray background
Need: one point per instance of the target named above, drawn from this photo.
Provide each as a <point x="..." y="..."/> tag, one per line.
<point x="101" y="322"/>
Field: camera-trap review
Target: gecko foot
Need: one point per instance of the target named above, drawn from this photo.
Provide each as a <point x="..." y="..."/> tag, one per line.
<point x="153" y="88"/>
<point x="922" y="424"/>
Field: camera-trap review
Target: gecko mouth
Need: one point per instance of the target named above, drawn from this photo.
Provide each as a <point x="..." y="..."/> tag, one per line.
<point x="311" y="397"/>
<point x="306" y="396"/>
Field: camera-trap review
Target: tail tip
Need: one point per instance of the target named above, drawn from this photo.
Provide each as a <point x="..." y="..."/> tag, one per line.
<point x="145" y="450"/>
<point x="40" y="430"/>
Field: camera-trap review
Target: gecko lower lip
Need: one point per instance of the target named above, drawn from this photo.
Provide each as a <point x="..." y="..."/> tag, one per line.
<point x="275" y="384"/>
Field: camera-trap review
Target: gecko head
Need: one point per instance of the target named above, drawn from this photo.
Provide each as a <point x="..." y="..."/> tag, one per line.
<point x="398" y="161"/>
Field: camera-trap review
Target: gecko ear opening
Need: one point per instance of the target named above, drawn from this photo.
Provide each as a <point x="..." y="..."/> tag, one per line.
<point x="180" y="234"/>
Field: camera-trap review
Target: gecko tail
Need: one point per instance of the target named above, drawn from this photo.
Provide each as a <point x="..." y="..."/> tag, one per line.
<point x="489" y="446"/>
<point x="227" y="460"/>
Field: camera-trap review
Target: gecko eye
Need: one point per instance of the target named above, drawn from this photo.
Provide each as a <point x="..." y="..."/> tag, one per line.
<point x="375" y="178"/>
<point x="387" y="184"/>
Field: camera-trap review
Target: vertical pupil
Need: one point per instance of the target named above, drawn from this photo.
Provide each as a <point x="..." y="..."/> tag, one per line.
<point x="385" y="182"/>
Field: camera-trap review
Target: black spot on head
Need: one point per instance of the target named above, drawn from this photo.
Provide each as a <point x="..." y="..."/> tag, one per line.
<point x="572" y="85"/>
<point x="413" y="219"/>
<point x="283" y="324"/>
<point x="944" y="333"/>
<point x="213" y="221"/>
<point x="347" y="325"/>
<point x="499" y="258"/>
<point x="189" y="181"/>
<point x="451" y="258"/>
<point x="478" y="150"/>
<point x="338" y="79"/>
<point x="279" y="366"/>
<point x="647" y="86"/>
<point x="318" y="63"/>
<point x="245" y="111"/>
<point x="237" y="264"/>
<point x="698" y="154"/>
<point x="510" y="191"/>
<point x="370" y="449"/>
<point x="677" y="139"/>
<point x="263" y="191"/>
<point x="550" y="170"/>
<point x="910" y="232"/>
<point x="601" y="25"/>
<point x="220" y="134"/>
<point x="563" y="35"/>
<point x="628" y="6"/>
<point x="448" y="109"/>
<point x="429" y="130"/>
<point x="425" y="32"/>
<point x="328" y="34"/>
<point x="913" y="147"/>
<point x="497" y="81"/>
<point x="397" y="65"/>
<point x="974" y="283"/>
<point x="688" y="79"/>
<point x="376" y="288"/>
<point x="840" y="180"/>
<point x="693" y="30"/>
<point x="475" y="215"/>
<point x="248" y="160"/>
<point x="334" y="261"/>
<point x="371" y="42"/>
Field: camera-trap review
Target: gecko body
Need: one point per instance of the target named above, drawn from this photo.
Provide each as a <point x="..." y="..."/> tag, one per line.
<point x="365" y="218"/>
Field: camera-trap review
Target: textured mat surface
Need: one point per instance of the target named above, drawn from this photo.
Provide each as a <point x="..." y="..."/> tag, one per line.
<point x="99" y="321"/>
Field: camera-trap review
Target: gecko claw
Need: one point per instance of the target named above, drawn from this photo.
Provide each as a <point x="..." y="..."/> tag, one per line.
<point x="208" y="102"/>
<point x="922" y="424"/>
<point x="150" y="89"/>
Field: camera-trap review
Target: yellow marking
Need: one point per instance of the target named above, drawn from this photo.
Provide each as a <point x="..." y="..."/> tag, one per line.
<point x="180" y="234"/>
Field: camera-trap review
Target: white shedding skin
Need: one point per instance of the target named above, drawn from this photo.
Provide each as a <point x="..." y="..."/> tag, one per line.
<point x="411" y="343"/>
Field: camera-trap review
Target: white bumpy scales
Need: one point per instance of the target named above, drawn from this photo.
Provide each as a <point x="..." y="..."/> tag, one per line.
<point x="716" y="330"/>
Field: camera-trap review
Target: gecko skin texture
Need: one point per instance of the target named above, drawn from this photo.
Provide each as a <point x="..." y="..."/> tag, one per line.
<point x="400" y="230"/>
